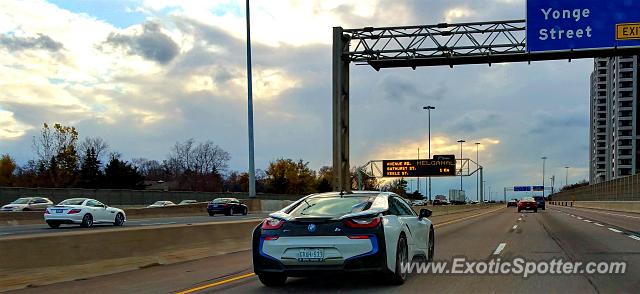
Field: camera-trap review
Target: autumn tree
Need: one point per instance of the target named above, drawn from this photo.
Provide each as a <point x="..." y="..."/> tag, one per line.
<point x="286" y="176"/>
<point x="7" y="168"/>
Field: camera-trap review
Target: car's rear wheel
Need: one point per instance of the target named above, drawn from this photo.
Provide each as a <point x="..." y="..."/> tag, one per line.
<point x="229" y="211"/>
<point x="272" y="279"/>
<point x="53" y="225"/>
<point x="535" y="210"/>
<point x="402" y="256"/>
<point x="245" y="211"/>
<point x="431" y="245"/>
<point x="87" y="221"/>
<point x="211" y="213"/>
<point x="119" y="220"/>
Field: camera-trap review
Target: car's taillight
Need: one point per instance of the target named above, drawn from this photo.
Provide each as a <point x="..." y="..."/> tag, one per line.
<point x="46" y="211"/>
<point x="270" y="238"/>
<point x="363" y="222"/>
<point x="272" y="223"/>
<point x="74" y="211"/>
<point x="358" y="237"/>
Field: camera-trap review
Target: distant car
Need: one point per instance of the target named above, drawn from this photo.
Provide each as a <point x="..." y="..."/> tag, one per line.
<point x="187" y="202"/>
<point x="83" y="211"/>
<point x="161" y="204"/>
<point x="27" y="204"/>
<point x="228" y="206"/>
<point x="527" y="203"/>
<point x="418" y="202"/>
<point x="474" y="202"/>
<point x="512" y="202"/>
<point x="374" y="232"/>
<point x="540" y="202"/>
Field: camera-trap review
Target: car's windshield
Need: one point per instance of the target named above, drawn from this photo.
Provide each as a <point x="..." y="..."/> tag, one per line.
<point x="74" y="201"/>
<point x="21" y="201"/>
<point x="158" y="203"/>
<point x="221" y="200"/>
<point x="334" y="206"/>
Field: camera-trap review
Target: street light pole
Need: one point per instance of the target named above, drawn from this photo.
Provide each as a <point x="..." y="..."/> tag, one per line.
<point x="461" y="162"/>
<point x="429" y="108"/>
<point x="252" y="167"/>
<point x="566" y="178"/>
<point x="544" y="159"/>
<point x="477" y="175"/>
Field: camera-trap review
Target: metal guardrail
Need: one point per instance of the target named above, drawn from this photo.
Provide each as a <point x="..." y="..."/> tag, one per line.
<point x="622" y="189"/>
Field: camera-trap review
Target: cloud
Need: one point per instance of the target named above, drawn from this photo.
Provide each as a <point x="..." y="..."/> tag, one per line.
<point x="400" y="89"/>
<point x="41" y="42"/>
<point x="474" y="121"/>
<point x="10" y="128"/>
<point x="151" y="44"/>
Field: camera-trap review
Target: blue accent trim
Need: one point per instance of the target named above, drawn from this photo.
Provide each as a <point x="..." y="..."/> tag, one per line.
<point x="262" y="252"/>
<point x="374" y="248"/>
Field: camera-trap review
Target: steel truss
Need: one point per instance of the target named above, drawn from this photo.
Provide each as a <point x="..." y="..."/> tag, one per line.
<point x="428" y="45"/>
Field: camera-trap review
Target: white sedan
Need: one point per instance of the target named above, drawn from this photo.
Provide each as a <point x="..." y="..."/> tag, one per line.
<point x="342" y="232"/>
<point x="85" y="212"/>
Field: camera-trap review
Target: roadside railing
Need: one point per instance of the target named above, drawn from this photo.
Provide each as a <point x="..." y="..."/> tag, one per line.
<point x="622" y="189"/>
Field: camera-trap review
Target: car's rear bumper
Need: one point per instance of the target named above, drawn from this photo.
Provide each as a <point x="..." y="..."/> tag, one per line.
<point x="370" y="258"/>
<point x="71" y="219"/>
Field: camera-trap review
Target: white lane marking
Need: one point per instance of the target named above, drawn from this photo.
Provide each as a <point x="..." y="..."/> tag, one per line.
<point x="591" y="210"/>
<point x="634" y="237"/>
<point x="514" y="227"/>
<point x="598" y="224"/>
<point x="573" y="215"/>
<point x="586" y="220"/>
<point x="520" y="219"/>
<point x="578" y="217"/>
<point x="500" y="248"/>
<point x="614" y="230"/>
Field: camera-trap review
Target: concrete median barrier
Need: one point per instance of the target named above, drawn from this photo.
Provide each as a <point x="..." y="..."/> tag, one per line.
<point x="45" y="259"/>
<point x="622" y="206"/>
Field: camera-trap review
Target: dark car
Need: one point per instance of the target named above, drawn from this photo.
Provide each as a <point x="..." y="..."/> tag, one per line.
<point x="512" y="202"/>
<point x="540" y="201"/>
<point x="228" y="206"/>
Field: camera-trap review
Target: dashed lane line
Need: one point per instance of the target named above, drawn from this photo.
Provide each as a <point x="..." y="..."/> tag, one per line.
<point x="614" y="230"/>
<point x="501" y="247"/>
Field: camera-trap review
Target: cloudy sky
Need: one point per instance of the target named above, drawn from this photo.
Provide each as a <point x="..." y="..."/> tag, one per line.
<point x="145" y="74"/>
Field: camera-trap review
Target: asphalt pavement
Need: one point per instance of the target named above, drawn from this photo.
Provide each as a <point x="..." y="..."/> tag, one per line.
<point x="556" y="233"/>
<point x="43" y="228"/>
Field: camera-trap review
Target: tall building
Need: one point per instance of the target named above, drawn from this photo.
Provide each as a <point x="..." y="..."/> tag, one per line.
<point x="614" y="148"/>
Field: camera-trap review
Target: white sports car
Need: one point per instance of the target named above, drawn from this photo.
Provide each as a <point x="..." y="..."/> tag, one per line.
<point x="341" y="232"/>
<point x="83" y="211"/>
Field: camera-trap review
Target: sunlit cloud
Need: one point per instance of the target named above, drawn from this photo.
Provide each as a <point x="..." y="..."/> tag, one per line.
<point x="9" y="127"/>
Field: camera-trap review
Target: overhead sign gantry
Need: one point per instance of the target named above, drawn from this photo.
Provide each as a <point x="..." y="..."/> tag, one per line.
<point x="612" y="31"/>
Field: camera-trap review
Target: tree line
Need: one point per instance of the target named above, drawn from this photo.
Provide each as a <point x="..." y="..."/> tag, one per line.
<point x="61" y="160"/>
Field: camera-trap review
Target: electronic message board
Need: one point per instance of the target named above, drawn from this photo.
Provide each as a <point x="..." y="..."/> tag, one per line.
<point x="439" y="166"/>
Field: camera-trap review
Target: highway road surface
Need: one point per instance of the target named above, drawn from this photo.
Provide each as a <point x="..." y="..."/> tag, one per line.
<point x="43" y="228"/>
<point x="557" y="233"/>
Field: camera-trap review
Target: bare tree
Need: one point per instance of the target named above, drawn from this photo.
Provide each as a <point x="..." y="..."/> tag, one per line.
<point x="100" y="146"/>
<point x="54" y="141"/>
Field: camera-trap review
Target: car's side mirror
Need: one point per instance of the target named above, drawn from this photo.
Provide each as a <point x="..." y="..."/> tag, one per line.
<point x="424" y="213"/>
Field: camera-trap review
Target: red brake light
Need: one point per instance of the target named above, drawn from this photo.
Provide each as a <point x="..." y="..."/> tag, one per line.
<point x="269" y="238"/>
<point x="358" y="237"/>
<point x="272" y="223"/>
<point x="363" y="222"/>
<point x="74" y="211"/>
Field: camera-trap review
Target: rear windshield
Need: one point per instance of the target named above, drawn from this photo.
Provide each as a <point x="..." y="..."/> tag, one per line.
<point x="75" y="201"/>
<point x="221" y="200"/>
<point x="527" y="199"/>
<point x="21" y="201"/>
<point x="331" y="206"/>
<point x="539" y="198"/>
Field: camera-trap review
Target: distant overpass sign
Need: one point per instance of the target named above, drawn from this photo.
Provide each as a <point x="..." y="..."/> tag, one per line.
<point x="521" y="188"/>
<point x="554" y="25"/>
<point x="538" y="188"/>
<point x="439" y="166"/>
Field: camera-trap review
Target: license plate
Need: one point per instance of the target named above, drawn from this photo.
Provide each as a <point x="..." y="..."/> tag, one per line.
<point x="59" y="210"/>
<point x="311" y="254"/>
